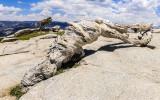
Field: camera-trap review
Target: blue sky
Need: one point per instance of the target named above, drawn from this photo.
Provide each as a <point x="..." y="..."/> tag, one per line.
<point x="23" y="4"/>
<point x="120" y="11"/>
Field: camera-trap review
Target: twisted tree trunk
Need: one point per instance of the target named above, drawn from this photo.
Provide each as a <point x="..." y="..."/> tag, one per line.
<point x="69" y="46"/>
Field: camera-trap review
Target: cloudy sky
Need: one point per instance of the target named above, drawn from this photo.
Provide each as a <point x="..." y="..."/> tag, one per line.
<point x="119" y="11"/>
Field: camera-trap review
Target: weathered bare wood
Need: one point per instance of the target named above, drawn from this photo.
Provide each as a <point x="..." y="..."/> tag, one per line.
<point x="69" y="46"/>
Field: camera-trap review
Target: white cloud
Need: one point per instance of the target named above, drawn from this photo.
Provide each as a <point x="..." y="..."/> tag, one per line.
<point x="19" y="2"/>
<point x="1" y="14"/>
<point x="46" y="13"/>
<point x="33" y="16"/>
<point x="6" y="9"/>
<point x="33" y="4"/>
<point x="8" y="13"/>
<point x="74" y="6"/>
<point x="125" y="11"/>
<point x="143" y="11"/>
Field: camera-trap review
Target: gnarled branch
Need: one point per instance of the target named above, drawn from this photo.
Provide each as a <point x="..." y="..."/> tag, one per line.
<point x="69" y="46"/>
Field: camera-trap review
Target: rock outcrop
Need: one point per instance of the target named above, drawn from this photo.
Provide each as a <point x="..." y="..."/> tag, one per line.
<point x="69" y="46"/>
<point x="23" y="31"/>
<point x="18" y="57"/>
<point x="156" y="30"/>
<point x="9" y="39"/>
<point x="111" y="70"/>
<point x="56" y="28"/>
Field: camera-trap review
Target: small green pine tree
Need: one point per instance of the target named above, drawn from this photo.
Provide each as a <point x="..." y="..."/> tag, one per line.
<point x="45" y="21"/>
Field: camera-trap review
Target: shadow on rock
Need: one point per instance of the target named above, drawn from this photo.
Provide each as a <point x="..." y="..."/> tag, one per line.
<point x="112" y="47"/>
<point x="109" y="48"/>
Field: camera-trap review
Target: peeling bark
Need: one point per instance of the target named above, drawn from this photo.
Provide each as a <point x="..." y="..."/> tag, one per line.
<point x="69" y="46"/>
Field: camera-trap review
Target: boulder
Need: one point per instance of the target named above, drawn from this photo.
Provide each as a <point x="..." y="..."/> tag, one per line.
<point x="156" y="30"/>
<point x="61" y="30"/>
<point x="56" y="28"/>
<point x="47" y="29"/>
<point x="51" y="32"/>
<point x="24" y="31"/>
<point x="9" y="39"/>
<point x="111" y="70"/>
<point x="10" y="36"/>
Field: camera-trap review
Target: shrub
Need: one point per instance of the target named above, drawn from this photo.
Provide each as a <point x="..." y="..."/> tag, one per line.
<point x="67" y="66"/>
<point x="59" y="71"/>
<point x="45" y="21"/>
<point x="28" y="36"/>
<point x="16" y="91"/>
<point x="1" y="39"/>
<point x="76" y="65"/>
<point x="60" y="33"/>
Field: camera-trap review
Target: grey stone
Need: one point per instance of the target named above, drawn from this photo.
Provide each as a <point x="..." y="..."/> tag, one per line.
<point x="50" y="32"/>
<point x="56" y="28"/>
<point x="156" y="30"/>
<point x="23" y="31"/>
<point x="6" y="39"/>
